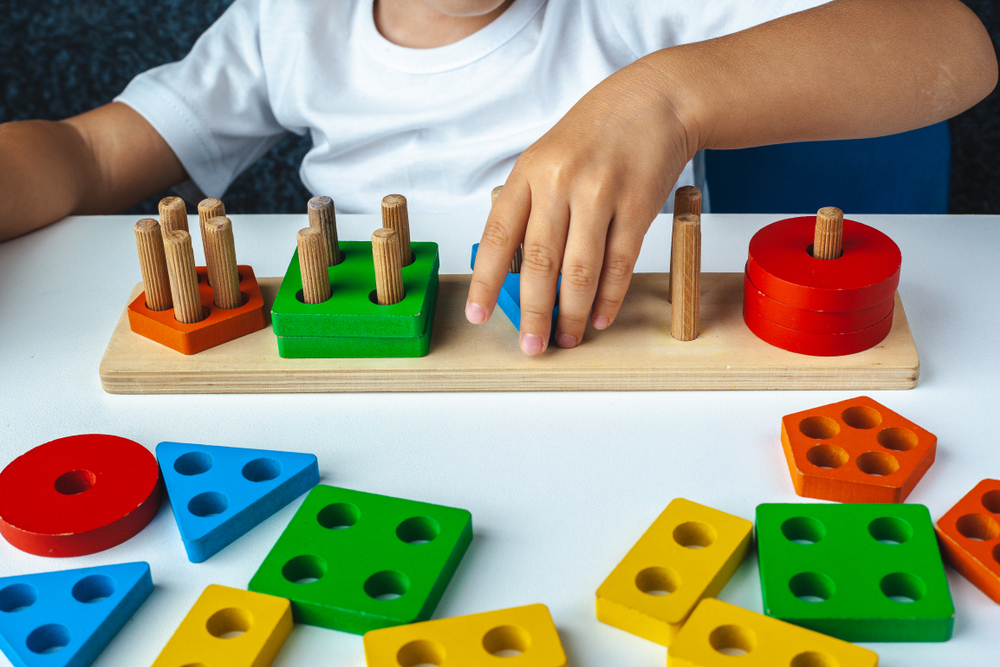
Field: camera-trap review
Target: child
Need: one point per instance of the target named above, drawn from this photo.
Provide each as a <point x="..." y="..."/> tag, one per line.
<point x="443" y="99"/>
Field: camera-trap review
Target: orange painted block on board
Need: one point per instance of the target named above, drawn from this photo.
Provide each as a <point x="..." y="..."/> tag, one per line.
<point x="969" y="535"/>
<point x="219" y="326"/>
<point x="855" y="451"/>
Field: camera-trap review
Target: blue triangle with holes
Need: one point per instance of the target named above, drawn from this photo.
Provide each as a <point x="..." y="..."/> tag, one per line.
<point x="220" y="493"/>
<point x="65" y="619"/>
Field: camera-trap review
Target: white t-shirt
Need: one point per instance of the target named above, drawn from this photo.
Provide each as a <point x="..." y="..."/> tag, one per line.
<point x="442" y="126"/>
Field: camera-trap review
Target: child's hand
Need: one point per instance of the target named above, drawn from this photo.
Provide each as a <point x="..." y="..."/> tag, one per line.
<point x="581" y="198"/>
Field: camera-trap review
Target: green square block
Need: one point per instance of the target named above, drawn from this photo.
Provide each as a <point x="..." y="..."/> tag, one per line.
<point x="364" y="561"/>
<point x="862" y="573"/>
<point x="350" y="311"/>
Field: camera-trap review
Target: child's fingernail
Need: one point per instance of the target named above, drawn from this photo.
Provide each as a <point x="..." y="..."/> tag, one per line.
<point x="475" y="313"/>
<point x="531" y="344"/>
<point x="601" y="322"/>
<point x="565" y="340"/>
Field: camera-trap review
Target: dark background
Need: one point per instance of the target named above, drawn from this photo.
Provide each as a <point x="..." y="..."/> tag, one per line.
<point x="59" y="58"/>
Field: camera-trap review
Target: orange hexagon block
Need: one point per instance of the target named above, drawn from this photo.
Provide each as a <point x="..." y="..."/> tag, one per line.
<point x="855" y="451"/>
<point x="969" y="535"/>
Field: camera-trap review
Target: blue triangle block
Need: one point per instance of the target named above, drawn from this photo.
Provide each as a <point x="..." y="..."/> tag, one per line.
<point x="220" y="493"/>
<point x="509" y="298"/>
<point x="65" y="619"/>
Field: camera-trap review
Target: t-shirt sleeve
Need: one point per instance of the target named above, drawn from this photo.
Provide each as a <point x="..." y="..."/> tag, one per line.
<point x="213" y="108"/>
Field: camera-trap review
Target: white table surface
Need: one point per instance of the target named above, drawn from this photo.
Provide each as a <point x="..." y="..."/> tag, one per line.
<point x="560" y="485"/>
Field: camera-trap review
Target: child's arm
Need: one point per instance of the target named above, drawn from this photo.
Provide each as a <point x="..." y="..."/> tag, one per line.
<point x="583" y="196"/>
<point x="104" y="160"/>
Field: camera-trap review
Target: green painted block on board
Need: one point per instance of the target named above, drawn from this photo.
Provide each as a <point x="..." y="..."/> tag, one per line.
<point x="356" y="561"/>
<point x="351" y="310"/>
<point x="862" y="573"/>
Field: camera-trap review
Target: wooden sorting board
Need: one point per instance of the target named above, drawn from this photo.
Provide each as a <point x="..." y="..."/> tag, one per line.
<point x="637" y="353"/>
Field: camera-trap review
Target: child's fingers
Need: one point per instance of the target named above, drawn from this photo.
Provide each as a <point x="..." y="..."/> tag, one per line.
<point x="544" y="244"/>
<point x="581" y="271"/>
<point x="623" y="244"/>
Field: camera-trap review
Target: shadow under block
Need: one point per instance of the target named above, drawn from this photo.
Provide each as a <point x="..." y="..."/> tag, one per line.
<point x="220" y="493"/>
<point x="689" y="553"/>
<point x="509" y="298"/>
<point x="355" y="561"/>
<point x="67" y="618"/>
<point x="221" y="325"/>
<point x="855" y="451"/>
<point x="969" y="536"/>
<point x="717" y="633"/>
<point x="478" y="640"/>
<point x="230" y="627"/>
<point x="78" y="495"/>
<point x="862" y="573"/>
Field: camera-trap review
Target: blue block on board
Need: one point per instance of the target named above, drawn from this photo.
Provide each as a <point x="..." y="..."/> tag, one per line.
<point x="65" y="619"/>
<point x="509" y="298"/>
<point x="220" y="493"/>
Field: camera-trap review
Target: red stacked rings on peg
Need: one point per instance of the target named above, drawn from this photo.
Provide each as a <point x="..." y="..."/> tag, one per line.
<point x="819" y="307"/>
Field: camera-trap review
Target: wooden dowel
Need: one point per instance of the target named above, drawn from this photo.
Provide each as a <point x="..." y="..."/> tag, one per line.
<point x="223" y="276"/>
<point x="323" y="217"/>
<point x="687" y="201"/>
<point x="153" y="264"/>
<point x="208" y="209"/>
<point x="686" y="269"/>
<point x="173" y="215"/>
<point x="388" y="266"/>
<point x="829" y="236"/>
<point x="183" y="278"/>
<point x="313" y="255"/>
<point x="515" y="262"/>
<point x="395" y="216"/>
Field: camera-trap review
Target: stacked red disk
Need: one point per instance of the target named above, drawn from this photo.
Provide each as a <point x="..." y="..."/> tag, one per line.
<point x="820" y="307"/>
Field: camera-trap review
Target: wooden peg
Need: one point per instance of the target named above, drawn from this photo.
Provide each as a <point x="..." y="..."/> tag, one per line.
<point x="388" y="266"/>
<point x="394" y="216"/>
<point x="323" y="217"/>
<point x="829" y="237"/>
<point x="220" y="249"/>
<point x="687" y="201"/>
<point x="208" y="209"/>
<point x="173" y="215"/>
<point x="183" y="278"/>
<point x="686" y="269"/>
<point x="515" y="262"/>
<point x="313" y="255"/>
<point x="153" y="264"/>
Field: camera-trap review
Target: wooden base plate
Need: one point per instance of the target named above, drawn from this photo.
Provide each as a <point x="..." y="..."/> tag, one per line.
<point x="636" y="354"/>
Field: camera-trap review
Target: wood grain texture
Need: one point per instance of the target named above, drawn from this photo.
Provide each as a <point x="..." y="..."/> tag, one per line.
<point x="636" y="354"/>
<point x="323" y="216"/>
<point x="207" y="209"/>
<point x="685" y="272"/>
<point x="395" y="216"/>
<point x="220" y="249"/>
<point x="183" y="277"/>
<point x="687" y="201"/>
<point x="829" y="238"/>
<point x="314" y="259"/>
<point x="387" y="254"/>
<point x="153" y="264"/>
<point x="173" y="215"/>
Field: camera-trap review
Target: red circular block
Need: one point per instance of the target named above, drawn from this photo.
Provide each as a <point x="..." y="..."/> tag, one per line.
<point x="815" y="344"/>
<point x="811" y="320"/>
<point x="78" y="495"/>
<point x="781" y="267"/>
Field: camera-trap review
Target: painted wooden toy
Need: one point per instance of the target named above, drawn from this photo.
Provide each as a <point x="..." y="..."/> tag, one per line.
<point x="969" y="535"/>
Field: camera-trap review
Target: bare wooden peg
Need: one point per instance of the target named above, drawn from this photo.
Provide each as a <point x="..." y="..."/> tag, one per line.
<point x="686" y="269"/>
<point x="518" y="258"/>
<point x="313" y="255"/>
<point x="153" y="264"/>
<point x="173" y="215"/>
<point x="323" y="217"/>
<point x="183" y="278"/>
<point x="829" y="236"/>
<point x="388" y="266"/>
<point x="395" y="216"/>
<point x="208" y="209"/>
<point x="687" y="201"/>
<point x="223" y="276"/>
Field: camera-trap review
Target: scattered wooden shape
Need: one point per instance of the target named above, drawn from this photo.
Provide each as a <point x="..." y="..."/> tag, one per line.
<point x="969" y="535"/>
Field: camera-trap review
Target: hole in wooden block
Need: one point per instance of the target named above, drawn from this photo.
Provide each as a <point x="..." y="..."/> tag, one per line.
<point x="339" y="516"/>
<point x="261" y="470"/>
<point x="75" y="481"/>
<point x="93" y="589"/>
<point x="387" y="585"/>
<point x="814" y="659"/>
<point x="304" y="569"/>
<point x="421" y="653"/>
<point x="17" y="597"/>
<point x="48" y="638"/>
<point x="903" y="587"/>
<point x="229" y="623"/>
<point x="877" y="464"/>
<point x="732" y="639"/>
<point x="827" y="456"/>
<point x="898" y="439"/>
<point x="418" y="530"/>
<point x="657" y="581"/>
<point x="991" y="501"/>
<point x="978" y="527"/>
<point x="210" y="503"/>
<point x="506" y="641"/>
<point x="812" y="587"/>
<point x="694" y="535"/>
<point x="803" y="530"/>
<point x="890" y="530"/>
<point x="193" y="463"/>
<point x="809" y="251"/>
<point x="862" y="417"/>
<point x="819" y="428"/>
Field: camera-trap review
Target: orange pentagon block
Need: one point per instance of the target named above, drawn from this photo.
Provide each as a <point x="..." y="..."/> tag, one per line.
<point x="969" y="535"/>
<point x="855" y="451"/>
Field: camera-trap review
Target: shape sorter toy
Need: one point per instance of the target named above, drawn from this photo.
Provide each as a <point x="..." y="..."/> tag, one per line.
<point x="718" y="634"/>
<point x="357" y="561"/>
<point x="862" y="573"/>
<point x="67" y="618"/>
<point x="525" y="633"/>
<point x="78" y="495"/>
<point x="689" y="553"/>
<point x="509" y="298"/>
<point x="220" y="493"/>
<point x="969" y="535"/>
<point x="855" y="451"/>
<point x="230" y="627"/>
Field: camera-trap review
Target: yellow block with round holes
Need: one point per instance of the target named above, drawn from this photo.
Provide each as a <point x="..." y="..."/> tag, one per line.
<point x="230" y="627"/>
<point x="689" y="553"/>
<point x="470" y="641"/>
<point x="717" y="631"/>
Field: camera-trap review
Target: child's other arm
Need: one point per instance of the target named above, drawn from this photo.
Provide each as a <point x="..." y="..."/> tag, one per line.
<point x="582" y="197"/>
<point x="102" y="161"/>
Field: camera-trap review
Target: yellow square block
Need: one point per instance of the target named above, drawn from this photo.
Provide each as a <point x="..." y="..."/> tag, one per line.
<point x="230" y="627"/>
<point x="717" y="631"/>
<point x="470" y="641"/>
<point x="689" y="553"/>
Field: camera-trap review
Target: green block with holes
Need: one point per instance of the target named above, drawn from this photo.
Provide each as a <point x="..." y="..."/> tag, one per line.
<point x="356" y="561"/>
<point x="862" y="573"/>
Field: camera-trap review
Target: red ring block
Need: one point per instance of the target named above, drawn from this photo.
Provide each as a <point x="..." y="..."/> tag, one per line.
<point x="221" y="326"/>
<point x="969" y="535"/>
<point x="815" y="344"/>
